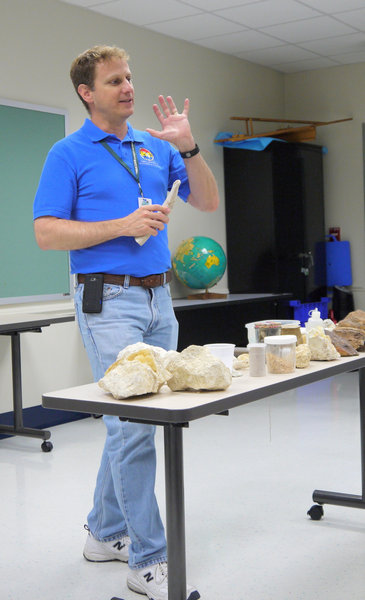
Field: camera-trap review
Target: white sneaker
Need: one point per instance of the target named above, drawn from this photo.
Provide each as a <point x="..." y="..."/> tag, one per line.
<point x="152" y="581"/>
<point x="96" y="551"/>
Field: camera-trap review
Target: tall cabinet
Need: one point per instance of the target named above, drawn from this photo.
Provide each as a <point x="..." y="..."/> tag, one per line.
<point x="274" y="218"/>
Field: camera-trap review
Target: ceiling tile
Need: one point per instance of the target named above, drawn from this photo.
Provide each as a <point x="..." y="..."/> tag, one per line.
<point x="238" y="42"/>
<point x="305" y="65"/>
<point x="274" y="56"/>
<point x="290" y="34"/>
<point x="143" y="12"/>
<point x="337" y="45"/>
<point x="209" y="5"/>
<point x="309" y="29"/>
<point x="268" y="12"/>
<point x="351" y="57"/>
<point x="194" y="28"/>
<point x="334" y="6"/>
<point x="83" y="3"/>
<point x="356" y="18"/>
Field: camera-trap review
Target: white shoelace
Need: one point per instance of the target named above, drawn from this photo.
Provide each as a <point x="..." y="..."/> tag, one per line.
<point x="161" y="572"/>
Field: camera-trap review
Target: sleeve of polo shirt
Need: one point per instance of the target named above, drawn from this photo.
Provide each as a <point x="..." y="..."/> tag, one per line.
<point x="57" y="187"/>
<point x="178" y="171"/>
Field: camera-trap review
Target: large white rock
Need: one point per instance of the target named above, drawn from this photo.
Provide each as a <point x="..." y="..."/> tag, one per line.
<point x="138" y="370"/>
<point x="196" y="368"/>
<point x="143" y="369"/>
<point x="131" y="378"/>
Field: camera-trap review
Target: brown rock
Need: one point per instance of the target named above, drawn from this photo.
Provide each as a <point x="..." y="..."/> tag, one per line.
<point x="343" y="347"/>
<point x="352" y="335"/>
<point x="354" y="319"/>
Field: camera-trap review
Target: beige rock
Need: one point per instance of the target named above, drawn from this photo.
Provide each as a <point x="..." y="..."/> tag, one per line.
<point x="196" y="368"/>
<point x="131" y="378"/>
<point x="138" y="370"/>
<point x="320" y="345"/>
<point x="302" y="356"/>
<point x="241" y="362"/>
<point x="328" y="324"/>
<point x="354" y="319"/>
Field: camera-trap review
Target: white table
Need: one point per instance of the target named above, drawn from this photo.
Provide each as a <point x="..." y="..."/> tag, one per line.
<point x="13" y="325"/>
<point x="174" y="410"/>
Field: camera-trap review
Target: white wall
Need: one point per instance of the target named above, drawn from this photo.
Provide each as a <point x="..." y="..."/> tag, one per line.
<point x="326" y="95"/>
<point x="39" y="40"/>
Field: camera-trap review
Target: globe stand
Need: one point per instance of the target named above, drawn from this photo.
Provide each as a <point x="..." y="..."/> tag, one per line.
<point x="206" y="296"/>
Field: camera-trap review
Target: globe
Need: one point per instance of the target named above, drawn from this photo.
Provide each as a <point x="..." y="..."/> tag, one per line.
<point x="199" y="262"/>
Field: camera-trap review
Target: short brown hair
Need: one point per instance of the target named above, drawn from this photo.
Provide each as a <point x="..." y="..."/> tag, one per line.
<point x="83" y="67"/>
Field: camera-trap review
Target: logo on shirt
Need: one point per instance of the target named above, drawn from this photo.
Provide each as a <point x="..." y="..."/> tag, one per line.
<point x="146" y="154"/>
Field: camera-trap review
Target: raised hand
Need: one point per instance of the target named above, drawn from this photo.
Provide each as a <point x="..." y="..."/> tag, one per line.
<point x="175" y="125"/>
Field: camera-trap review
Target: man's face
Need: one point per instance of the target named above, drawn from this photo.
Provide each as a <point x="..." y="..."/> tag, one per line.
<point x="112" y="98"/>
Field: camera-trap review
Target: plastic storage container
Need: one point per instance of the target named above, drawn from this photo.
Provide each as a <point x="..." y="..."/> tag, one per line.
<point x="257" y="363"/>
<point x="293" y="329"/>
<point x="280" y="353"/>
<point x="265" y="329"/>
<point x="301" y="311"/>
<point x="251" y="334"/>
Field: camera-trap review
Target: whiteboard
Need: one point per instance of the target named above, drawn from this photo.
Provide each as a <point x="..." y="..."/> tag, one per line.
<point x="27" y="273"/>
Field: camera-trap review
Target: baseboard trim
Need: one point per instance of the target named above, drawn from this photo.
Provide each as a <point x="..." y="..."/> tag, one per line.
<point x="41" y="418"/>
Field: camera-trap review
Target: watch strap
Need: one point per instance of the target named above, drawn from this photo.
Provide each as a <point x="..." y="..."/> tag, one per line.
<point x="190" y="153"/>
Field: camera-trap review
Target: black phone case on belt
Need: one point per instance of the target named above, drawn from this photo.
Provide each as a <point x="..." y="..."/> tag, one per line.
<point x="92" y="301"/>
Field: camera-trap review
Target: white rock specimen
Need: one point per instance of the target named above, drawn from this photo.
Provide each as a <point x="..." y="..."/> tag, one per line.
<point x="131" y="378"/>
<point x="302" y="356"/>
<point x="169" y="202"/>
<point x="138" y="370"/>
<point x="328" y="324"/>
<point x="241" y="362"/>
<point x="321" y="346"/>
<point x="143" y="369"/>
<point x="196" y="368"/>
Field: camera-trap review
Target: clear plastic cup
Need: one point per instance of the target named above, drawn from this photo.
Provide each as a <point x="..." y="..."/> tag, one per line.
<point x="225" y="353"/>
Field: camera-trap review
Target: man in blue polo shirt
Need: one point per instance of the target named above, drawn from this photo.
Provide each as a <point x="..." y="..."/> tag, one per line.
<point x="101" y="187"/>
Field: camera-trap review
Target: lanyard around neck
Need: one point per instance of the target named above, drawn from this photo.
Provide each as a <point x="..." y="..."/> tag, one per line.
<point x="124" y="164"/>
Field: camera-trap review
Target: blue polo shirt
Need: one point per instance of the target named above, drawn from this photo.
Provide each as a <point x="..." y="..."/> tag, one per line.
<point x="82" y="181"/>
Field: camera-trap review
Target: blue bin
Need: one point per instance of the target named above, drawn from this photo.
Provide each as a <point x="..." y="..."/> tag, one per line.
<point x="333" y="263"/>
<point x="301" y="311"/>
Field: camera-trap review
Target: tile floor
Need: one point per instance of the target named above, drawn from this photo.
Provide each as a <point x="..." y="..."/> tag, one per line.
<point x="249" y="478"/>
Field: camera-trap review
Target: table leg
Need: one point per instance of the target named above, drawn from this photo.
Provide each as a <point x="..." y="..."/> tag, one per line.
<point x="175" y="517"/>
<point x="18" y="427"/>
<point x="351" y="500"/>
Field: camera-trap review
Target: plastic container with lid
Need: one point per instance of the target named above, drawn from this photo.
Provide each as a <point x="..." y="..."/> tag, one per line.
<point x="257" y="363"/>
<point x="314" y="320"/>
<point x="293" y="329"/>
<point x="265" y="329"/>
<point x="251" y="333"/>
<point x="280" y="353"/>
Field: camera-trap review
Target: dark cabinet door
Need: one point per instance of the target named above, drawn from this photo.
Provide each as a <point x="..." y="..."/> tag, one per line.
<point x="274" y="217"/>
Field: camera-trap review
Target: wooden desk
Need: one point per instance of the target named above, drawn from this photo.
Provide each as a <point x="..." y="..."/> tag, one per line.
<point x="174" y="410"/>
<point x="14" y="325"/>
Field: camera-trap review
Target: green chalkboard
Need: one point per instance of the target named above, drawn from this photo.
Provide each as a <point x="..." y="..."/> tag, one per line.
<point x="27" y="273"/>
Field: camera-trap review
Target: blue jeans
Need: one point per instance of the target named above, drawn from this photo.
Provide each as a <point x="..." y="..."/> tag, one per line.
<point x="124" y="498"/>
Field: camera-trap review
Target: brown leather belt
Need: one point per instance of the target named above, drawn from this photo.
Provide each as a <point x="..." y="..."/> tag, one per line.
<point x="150" y="281"/>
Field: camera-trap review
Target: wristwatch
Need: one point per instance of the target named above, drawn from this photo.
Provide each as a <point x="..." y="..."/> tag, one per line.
<point x="190" y="153"/>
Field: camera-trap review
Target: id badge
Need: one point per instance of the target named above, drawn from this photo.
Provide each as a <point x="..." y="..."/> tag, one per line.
<point x="144" y="201"/>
